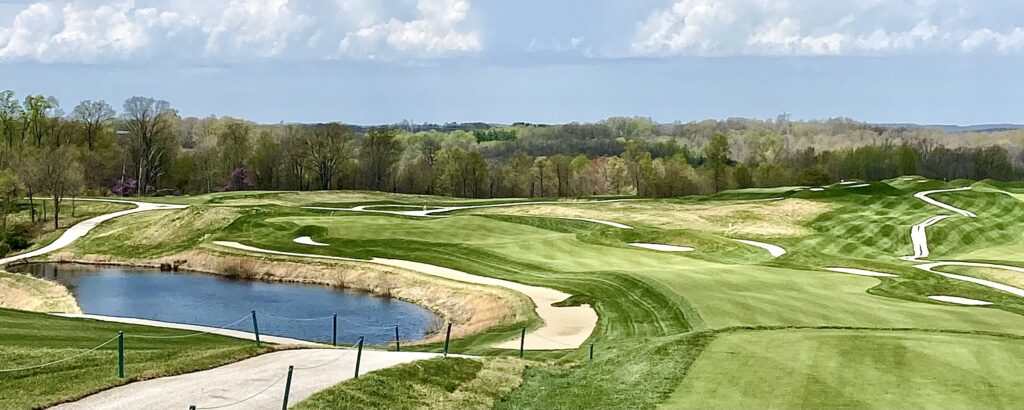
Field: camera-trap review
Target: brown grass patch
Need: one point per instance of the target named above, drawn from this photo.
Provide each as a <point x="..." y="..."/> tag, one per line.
<point x="782" y="218"/>
<point x="28" y="293"/>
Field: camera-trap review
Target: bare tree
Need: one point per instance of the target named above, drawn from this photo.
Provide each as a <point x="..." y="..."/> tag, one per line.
<point x="60" y="174"/>
<point x="94" y="115"/>
<point x="147" y="122"/>
<point x="379" y="153"/>
<point x="327" y="146"/>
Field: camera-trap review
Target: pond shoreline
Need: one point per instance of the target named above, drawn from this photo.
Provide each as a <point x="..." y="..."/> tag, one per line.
<point x="471" y="308"/>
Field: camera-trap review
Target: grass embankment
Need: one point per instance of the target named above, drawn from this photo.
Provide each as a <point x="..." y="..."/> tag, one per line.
<point x="29" y="339"/>
<point x="452" y="383"/>
<point x="28" y="293"/>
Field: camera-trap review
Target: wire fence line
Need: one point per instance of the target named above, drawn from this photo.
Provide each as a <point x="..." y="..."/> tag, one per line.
<point x="191" y="334"/>
<point x="62" y="360"/>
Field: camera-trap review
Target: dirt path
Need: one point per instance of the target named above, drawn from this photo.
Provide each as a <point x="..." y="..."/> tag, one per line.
<point x="261" y="379"/>
<point x="82" y="228"/>
<point x="564" y="327"/>
<point x="195" y="328"/>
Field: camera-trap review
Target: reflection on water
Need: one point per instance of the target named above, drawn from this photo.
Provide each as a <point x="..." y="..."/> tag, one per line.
<point x="212" y="300"/>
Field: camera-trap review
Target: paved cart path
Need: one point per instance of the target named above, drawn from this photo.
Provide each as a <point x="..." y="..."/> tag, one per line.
<point x="260" y="379"/>
<point x="80" y="229"/>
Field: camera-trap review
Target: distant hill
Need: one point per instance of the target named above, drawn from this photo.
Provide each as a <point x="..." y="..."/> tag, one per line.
<point x="959" y="128"/>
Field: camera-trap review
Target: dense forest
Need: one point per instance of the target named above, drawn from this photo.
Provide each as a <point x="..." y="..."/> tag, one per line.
<point x="146" y="148"/>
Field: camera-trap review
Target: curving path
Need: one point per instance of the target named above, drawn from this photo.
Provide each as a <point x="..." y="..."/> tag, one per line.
<point x="82" y="228"/>
<point x="920" y="240"/>
<point x="563" y="328"/>
<point x="260" y="379"/>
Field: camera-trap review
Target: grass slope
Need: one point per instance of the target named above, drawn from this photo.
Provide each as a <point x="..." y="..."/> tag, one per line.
<point x="29" y="339"/>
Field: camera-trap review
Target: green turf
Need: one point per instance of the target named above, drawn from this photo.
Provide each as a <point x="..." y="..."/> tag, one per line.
<point x="29" y="339"/>
<point x="452" y="383"/>
<point x="816" y="369"/>
<point x="658" y="310"/>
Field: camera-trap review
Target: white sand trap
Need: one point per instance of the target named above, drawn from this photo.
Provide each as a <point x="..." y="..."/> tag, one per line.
<point x="80" y="229"/>
<point x="564" y="327"/>
<point x="959" y="300"/>
<point x="817" y="189"/>
<point x="774" y="250"/>
<point x="597" y="221"/>
<point x="860" y="186"/>
<point x="662" y="247"/>
<point x="847" y="182"/>
<point x="861" y="272"/>
<point x="305" y="240"/>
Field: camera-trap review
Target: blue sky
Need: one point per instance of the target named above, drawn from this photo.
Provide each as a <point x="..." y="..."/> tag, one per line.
<point x="381" y="61"/>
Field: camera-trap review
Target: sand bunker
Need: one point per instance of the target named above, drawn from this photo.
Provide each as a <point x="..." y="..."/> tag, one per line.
<point x="564" y="327"/>
<point x="861" y="272"/>
<point x="662" y="247"/>
<point x="959" y="300"/>
<point x="774" y="250"/>
<point x="305" y="240"/>
<point x="817" y="189"/>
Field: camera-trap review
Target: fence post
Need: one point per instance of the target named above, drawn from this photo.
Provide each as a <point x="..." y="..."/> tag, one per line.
<point x="398" y="343"/>
<point x="447" y="337"/>
<point x="255" y="328"/>
<point x="287" y="388"/>
<point x="334" y="334"/>
<point x="120" y="354"/>
<point x="522" y="341"/>
<point x="359" y="356"/>
<point x="591" y="351"/>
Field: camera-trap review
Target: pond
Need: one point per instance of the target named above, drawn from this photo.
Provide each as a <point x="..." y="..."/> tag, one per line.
<point x="283" y="309"/>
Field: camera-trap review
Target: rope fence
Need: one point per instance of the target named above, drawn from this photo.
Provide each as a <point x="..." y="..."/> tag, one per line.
<point x="357" y="348"/>
<point x="62" y="360"/>
<point x="191" y="334"/>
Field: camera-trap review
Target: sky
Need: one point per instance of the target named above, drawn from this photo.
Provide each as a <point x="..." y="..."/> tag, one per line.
<point x="542" y="61"/>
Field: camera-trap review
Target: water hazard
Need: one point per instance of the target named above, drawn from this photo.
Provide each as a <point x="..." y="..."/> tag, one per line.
<point x="283" y="309"/>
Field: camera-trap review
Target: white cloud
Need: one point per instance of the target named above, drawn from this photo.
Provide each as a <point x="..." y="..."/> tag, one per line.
<point x="839" y="27"/>
<point x="435" y="32"/>
<point x="260" y="27"/>
<point x="233" y="30"/>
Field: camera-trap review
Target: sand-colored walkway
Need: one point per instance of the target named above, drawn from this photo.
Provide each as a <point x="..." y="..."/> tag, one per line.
<point x="195" y="328"/>
<point x="82" y="228"/>
<point x="260" y="379"/>
<point x="563" y="328"/>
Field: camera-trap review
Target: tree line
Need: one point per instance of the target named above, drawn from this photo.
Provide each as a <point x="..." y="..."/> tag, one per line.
<point x="145" y="147"/>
